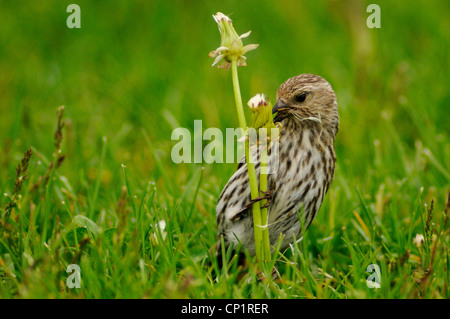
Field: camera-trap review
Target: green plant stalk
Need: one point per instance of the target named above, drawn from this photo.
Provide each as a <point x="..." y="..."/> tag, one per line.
<point x="97" y="182"/>
<point x="264" y="212"/>
<point x="47" y="197"/>
<point x="254" y="192"/>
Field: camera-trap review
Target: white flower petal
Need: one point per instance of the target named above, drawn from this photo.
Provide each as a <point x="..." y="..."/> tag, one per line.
<point x="257" y="100"/>
<point x="217" y="59"/>
<point x="249" y="47"/>
<point x="220" y="16"/>
<point x="217" y="51"/>
<point x="242" y="36"/>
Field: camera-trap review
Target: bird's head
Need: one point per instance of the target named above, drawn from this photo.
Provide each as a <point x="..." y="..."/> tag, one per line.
<point x="307" y="97"/>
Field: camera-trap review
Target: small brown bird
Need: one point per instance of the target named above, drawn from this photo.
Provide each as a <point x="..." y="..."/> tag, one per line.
<point x="307" y="109"/>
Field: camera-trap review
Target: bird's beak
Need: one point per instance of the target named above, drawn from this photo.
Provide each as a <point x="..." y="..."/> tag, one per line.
<point x="280" y="106"/>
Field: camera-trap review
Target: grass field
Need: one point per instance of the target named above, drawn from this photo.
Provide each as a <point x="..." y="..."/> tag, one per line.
<point x="135" y="71"/>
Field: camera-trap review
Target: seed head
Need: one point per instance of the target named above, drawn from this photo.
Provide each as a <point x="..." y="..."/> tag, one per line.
<point x="231" y="47"/>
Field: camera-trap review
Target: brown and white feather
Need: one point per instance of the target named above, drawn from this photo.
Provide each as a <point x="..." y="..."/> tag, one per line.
<point x="305" y="168"/>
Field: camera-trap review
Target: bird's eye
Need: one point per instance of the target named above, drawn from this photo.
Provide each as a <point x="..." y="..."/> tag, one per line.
<point x="300" y="97"/>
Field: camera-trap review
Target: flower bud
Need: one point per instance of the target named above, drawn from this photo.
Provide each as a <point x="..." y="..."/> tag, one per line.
<point x="262" y="112"/>
<point x="262" y="119"/>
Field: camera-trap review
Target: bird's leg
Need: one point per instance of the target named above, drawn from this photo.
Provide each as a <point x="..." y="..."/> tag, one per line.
<point x="267" y="195"/>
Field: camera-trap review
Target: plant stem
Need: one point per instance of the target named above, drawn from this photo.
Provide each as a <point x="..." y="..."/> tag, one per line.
<point x="250" y="165"/>
<point x="237" y="96"/>
<point x="48" y="190"/>
<point x="263" y="189"/>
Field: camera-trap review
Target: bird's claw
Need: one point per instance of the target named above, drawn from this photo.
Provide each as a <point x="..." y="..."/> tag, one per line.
<point x="267" y="195"/>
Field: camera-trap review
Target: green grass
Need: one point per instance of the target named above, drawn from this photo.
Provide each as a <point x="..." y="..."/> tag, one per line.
<point x="133" y="72"/>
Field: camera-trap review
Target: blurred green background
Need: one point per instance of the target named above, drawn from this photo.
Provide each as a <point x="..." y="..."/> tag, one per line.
<point x="144" y="64"/>
<point x="138" y="69"/>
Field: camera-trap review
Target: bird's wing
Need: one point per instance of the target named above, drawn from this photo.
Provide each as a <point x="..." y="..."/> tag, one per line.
<point x="241" y="162"/>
